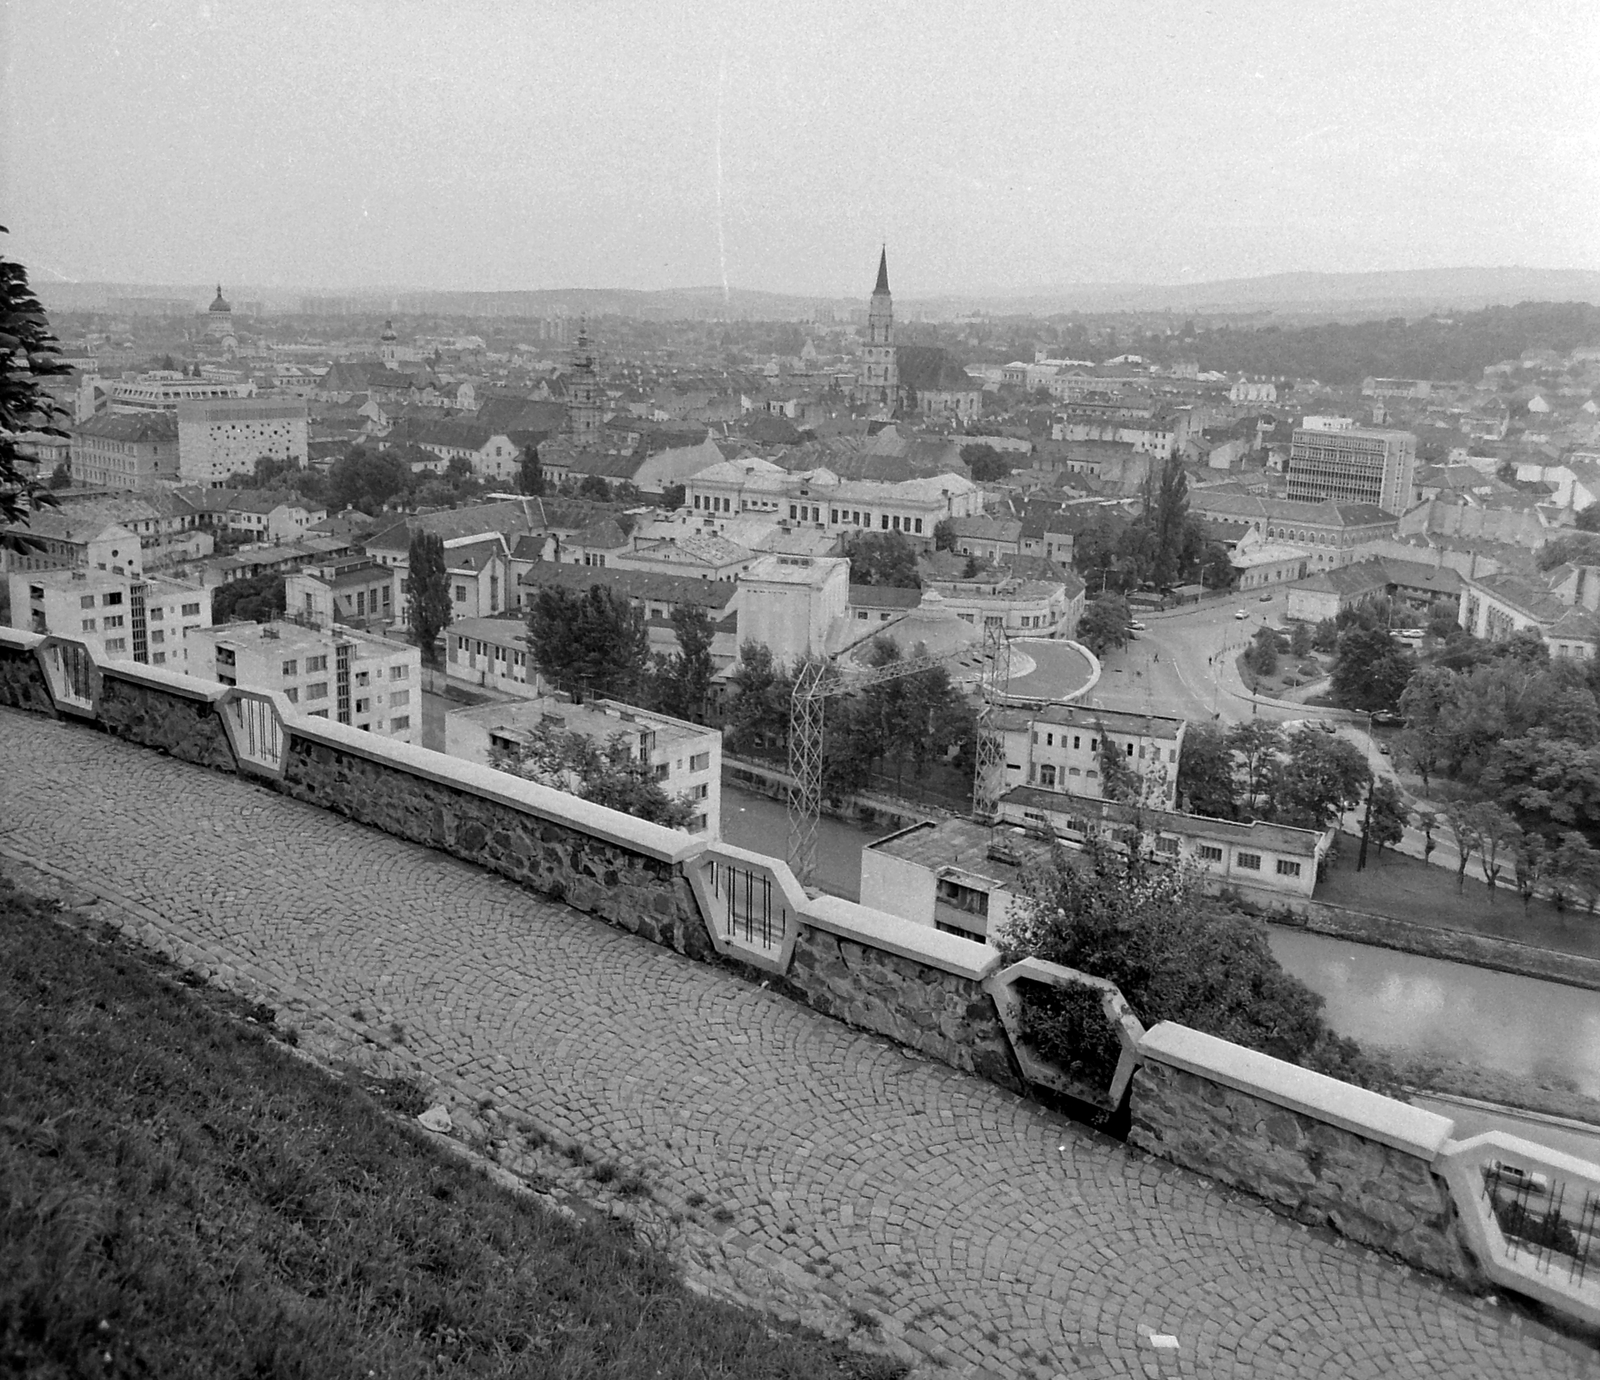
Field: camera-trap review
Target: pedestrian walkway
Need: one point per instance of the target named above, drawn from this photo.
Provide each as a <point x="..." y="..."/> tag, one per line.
<point x="1016" y="1241"/>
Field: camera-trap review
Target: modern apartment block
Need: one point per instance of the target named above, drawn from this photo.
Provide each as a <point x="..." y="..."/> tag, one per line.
<point x="1353" y="466"/>
<point x="135" y="617"/>
<point x="328" y="673"/>
<point x="685" y="758"/>
<point x="218" y="439"/>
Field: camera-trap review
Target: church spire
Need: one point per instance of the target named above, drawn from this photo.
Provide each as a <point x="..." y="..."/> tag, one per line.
<point x="883" y="273"/>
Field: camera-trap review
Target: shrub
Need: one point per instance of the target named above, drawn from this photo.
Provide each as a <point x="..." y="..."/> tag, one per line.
<point x="1174" y="953"/>
<point x="1068" y="1026"/>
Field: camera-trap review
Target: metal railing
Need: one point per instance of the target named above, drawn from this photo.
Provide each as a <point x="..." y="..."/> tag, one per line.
<point x="73" y="670"/>
<point x="258" y="732"/>
<point x="1531" y="1216"/>
<point x="749" y="916"/>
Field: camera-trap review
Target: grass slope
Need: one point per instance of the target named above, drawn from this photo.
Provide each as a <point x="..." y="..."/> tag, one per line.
<point x="180" y="1196"/>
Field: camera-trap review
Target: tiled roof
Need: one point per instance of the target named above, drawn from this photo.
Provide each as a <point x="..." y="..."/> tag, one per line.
<point x="712" y="595"/>
<point x="884" y="597"/>
<point x="138" y="428"/>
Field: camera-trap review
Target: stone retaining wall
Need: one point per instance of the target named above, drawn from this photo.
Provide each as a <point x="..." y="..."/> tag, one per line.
<point x="1323" y="1152"/>
<point x="22" y="680"/>
<point x="145" y="706"/>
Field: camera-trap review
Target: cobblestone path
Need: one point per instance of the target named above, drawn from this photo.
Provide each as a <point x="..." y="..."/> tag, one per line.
<point x="1004" y="1239"/>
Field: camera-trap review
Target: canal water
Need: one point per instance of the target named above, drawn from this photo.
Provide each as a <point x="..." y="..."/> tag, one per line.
<point x="1404" y="1001"/>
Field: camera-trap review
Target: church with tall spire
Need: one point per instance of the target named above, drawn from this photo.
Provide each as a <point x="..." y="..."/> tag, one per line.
<point x="879" y="383"/>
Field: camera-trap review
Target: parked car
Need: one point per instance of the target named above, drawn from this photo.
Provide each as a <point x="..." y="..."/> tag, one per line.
<point x="1384" y="749"/>
<point x="1326" y="727"/>
<point x="1136" y="626"/>
<point x="1265" y="599"/>
<point x="1240" y="613"/>
<point x="1388" y="717"/>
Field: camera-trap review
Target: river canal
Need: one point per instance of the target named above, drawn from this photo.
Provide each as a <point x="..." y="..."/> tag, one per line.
<point x="1403" y="1001"/>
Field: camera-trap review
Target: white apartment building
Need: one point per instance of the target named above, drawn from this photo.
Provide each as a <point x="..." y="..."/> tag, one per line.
<point x="1035" y="608"/>
<point x="327" y="673"/>
<point x="1058" y="748"/>
<point x="221" y="438"/>
<point x="129" y="616"/>
<point x="686" y="758"/>
<point x="789" y="603"/>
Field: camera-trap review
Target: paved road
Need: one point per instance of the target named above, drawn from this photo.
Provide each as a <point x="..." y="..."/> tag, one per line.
<point x="1020" y="1242"/>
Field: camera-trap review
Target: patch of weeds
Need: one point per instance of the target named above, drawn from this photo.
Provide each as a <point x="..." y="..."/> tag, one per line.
<point x="695" y="1200"/>
<point x="633" y="1185"/>
<point x="290" y="1036"/>
<point x="261" y="1013"/>
<point x="397" y="1032"/>
<point x="723" y="1214"/>
<point x="576" y="1154"/>
<point x="604" y="1172"/>
<point x="403" y="1095"/>
<point x="859" y="1317"/>
<point x="359" y="1015"/>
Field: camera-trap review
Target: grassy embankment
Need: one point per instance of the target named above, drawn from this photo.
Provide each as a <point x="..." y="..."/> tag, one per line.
<point x="181" y="1196"/>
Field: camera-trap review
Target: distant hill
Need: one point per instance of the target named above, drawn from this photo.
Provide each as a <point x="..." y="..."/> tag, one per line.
<point x="1327" y="296"/>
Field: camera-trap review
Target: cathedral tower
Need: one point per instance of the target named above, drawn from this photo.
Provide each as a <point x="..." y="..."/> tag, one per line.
<point x="880" y="372"/>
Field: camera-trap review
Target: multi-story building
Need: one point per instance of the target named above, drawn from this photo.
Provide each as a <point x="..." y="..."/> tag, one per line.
<point x="219" y="439"/>
<point x="1355" y="465"/>
<point x="1562" y="605"/>
<point x="685" y="758"/>
<point x="355" y="590"/>
<point x="265" y="516"/>
<point x="125" y="450"/>
<point x="841" y="507"/>
<point x="165" y="390"/>
<point x="328" y="673"/>
<point x="115" y="613"/>
<point x="1033" y="608"/>
<point x="789" y="604"/>
<point x="1059" y="748"/>
<point x="1330" y="534"/>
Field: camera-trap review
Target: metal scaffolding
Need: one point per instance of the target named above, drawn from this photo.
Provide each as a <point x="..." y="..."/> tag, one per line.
<point x="818" y="681"/>
<point x="989" y="769"/>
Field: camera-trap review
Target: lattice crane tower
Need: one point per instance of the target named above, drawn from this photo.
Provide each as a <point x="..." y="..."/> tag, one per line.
<point x="818" y="681"/>
<point x="989" y="770"/>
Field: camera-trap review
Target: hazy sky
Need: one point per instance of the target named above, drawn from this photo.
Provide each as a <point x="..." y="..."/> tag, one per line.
<point x="466" y="144"/>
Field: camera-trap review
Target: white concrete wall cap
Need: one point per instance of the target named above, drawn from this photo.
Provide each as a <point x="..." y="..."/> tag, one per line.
<point x="1368" y="1114"/>
<point x="190" y="687"/>
<point x="653" y="840"/>
<point x="19" y="639"/>
<point x="793" y="892"/>
<point x="878" y="929"/>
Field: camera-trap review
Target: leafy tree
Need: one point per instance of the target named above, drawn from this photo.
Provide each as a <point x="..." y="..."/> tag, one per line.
<point x="1428" y="695"/>
<point x="1497" y="833"/>
<point x="1262" y="656"/>
<point x="882" y="558"/>
<point x="61" y="477"/>
<point x="1257" y="743"/>
<point x="672" y="496"/>
<point x="428" y="593"/>
<point x="1530" y="860"/>
<point x="1300" y="641"/>
<point x="1371" y="671"/>
<point x="29" y="354"/>
<point x="1444" y="618"/>
<point x="367" y="479"/>
<point x="1206" y="783"/>
<point x="1118" y="781"/>
<point x="1216" y="567"/>
<point x="758" y="714"/>
<point x="589" y="643"/>
<point x="1387" y="816"/>
<point x="1325" y="636"/>
<point x="1548" y="785"/>
<point x="612" y="775"/>
<point x="1463" y="822"/>
<point x="1103" y="626"/>
<point x="944" y="535"/>
<point x="988" y="465"/>
<point x="1580" y="548"/>
<point x="593" y="486"/>
<point x="258" y="600"/>
<point x="1315" y="780"/>
<point x="1589" y="519"/>
<point x="530" y="478"/>
<point x="1174" y="953"/>
<point x="683" y="681"/>
<point x="1575" y="868"/>
<point x="1166" y="511"/>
